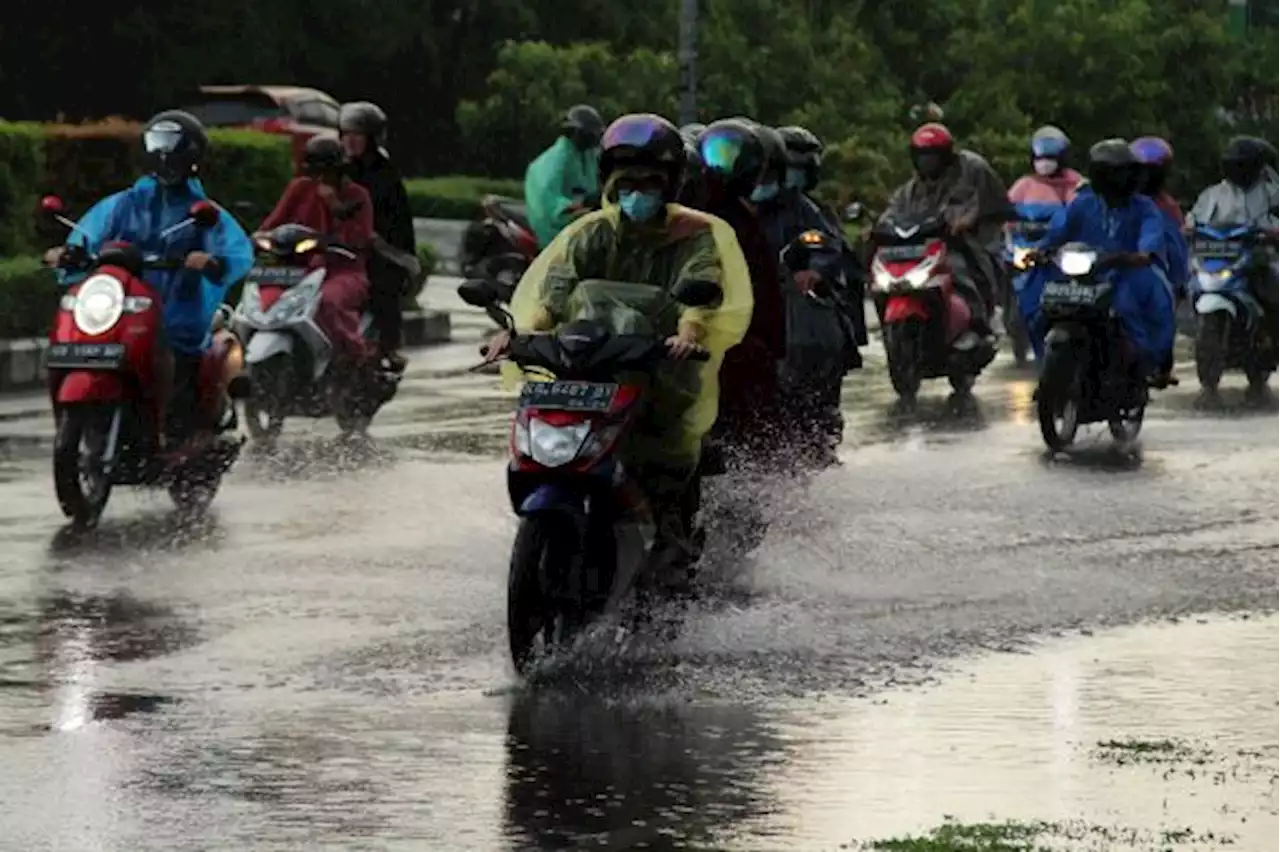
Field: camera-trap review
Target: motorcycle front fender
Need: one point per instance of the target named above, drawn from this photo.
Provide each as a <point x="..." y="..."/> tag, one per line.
<point x="903" y="308"/>
<point x="1209" y="303"/>
<point x="80" y="386"/>
<point x="554" y="497"/>
<point x="266" y="345"/>
<point x="1061" y="336"/>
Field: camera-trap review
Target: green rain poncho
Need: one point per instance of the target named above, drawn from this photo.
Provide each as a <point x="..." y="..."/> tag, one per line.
<point x="550" y="183"/>
<point x="604" y="268"/>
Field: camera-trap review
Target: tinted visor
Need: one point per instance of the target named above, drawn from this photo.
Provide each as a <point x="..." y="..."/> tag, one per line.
<point x="1049" y="147"/>
<point x="723" y="150"/>
<point x="1150" y="151"/>
<point x="632" y="131"/>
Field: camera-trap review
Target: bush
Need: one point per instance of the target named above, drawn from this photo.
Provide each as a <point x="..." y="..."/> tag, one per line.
<point x="28" y="297"/>
<point x="456" y="196"/>
<point x="21" y="164"/>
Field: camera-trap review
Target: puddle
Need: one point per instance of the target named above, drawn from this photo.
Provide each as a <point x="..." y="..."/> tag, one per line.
<point x="1163" y="731"/>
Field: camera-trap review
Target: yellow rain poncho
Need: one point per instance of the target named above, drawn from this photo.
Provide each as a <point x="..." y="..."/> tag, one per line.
<point x="602" y="267"/>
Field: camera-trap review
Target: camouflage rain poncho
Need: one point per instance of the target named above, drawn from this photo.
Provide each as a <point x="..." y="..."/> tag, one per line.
<point x="970" y="184"/>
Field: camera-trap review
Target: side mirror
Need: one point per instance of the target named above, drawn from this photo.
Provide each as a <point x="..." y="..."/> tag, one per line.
<point x="698" y="293"/>
<point x="853" y="212"/>
<point x="51" y="205"/>
<point x="204" y="214"/>
<point x="477" y="293"/>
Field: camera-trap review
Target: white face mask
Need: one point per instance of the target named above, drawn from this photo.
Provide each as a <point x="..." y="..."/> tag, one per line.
<point x="1045" y="167"/>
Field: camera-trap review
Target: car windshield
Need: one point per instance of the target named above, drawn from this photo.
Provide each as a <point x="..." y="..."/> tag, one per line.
<point x="221" y="111"/>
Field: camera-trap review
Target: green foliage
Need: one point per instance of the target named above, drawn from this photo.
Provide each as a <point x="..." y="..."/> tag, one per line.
<point x="21" y="162"/>
<point x="456" y="196"/>
<point x="28" y="297"/>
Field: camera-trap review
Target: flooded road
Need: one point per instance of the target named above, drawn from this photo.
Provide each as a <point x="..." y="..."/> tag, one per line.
<point x="321" y="663"/>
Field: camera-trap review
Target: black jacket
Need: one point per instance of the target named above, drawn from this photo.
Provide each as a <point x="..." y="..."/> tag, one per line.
<point x="392" y="218"/>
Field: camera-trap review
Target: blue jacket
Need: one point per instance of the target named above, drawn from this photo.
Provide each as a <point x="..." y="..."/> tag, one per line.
<point x="138" y="215"/>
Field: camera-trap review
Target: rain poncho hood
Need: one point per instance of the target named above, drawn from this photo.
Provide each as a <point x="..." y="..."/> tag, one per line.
<point x="1225" y="204"/>
<point x="550" y="183"/>
<point x="606" y="268"/>
<point x="138" y="215"/>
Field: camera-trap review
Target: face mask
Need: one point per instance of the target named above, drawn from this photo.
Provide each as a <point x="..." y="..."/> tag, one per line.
<point x="764" y="192"/>
<point x="639" y="206"/>
<point x="1045" y="167"/>
<point x="796" y="179"/>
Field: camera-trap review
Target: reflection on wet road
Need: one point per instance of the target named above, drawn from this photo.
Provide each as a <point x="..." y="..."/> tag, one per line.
<point x="321" y="662"/>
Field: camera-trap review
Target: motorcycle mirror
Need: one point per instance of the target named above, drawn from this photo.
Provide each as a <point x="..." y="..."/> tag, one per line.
<point x="478" y="293"/>
<point x="697" y="293"/>
<point x="853" y="212"/>
<point x="51" y="205"/>
<point x="204" y="214"/>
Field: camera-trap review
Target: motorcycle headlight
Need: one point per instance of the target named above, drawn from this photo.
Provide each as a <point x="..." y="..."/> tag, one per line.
<point x="1076" y="263"/>
<point x="882" y="279"/>
<point x="556" y="446"/>
<point x="1211" y="281"/>
<point x="99" y="304"/>
<point x="919" y="276"/>
<point x="305" y="246"/>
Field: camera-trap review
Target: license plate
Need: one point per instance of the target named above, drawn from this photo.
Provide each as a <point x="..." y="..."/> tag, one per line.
<point x="569" y="396"/>
<point x="1217" y="248"/>
<point x="86" y="356"/>
<point x="1032" y="229"/>
<point x="914" y="251"/>
<point x="1068" y="293"/>
<point x="276" y="274"/>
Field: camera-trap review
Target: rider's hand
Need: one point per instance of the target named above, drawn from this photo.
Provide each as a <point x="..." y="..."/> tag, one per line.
<point x="198" y="260"/>
<point x="806" y="280"/>
<point x="497" y="346"/>
<point x="961" y="222"/>
<point x="680" y="346"/>
<point x="54" y="255"/>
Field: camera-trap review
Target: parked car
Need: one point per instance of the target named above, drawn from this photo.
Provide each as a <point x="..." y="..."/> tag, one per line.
<point x="297" y="111"/>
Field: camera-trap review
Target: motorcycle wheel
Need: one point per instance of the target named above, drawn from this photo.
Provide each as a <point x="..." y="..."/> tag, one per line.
<point x="80" y="484"/>
<point x="1125" y="429"/>
<point x="1058" y="400"/>
<point x="263" y="417"/>
<point x="902" y="347"/>
<point x="544" y="547"/>
<point x="1018" y="335"/>
<point x="192" y="497"/>
<point x="1212" y="333"/>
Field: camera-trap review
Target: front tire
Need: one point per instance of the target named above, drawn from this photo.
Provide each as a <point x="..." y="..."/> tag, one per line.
<point x="192" y="497"/>
<point x="1058" y="400"/>
<point x="545" y="548"/>
<point x="264" y="408"/>
<point x="902" y="346"/>
<point x="82" y="487"/>
<point x="1212" y="335"/>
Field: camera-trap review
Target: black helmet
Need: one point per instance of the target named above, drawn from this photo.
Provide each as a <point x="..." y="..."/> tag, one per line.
<point x="174" y="144"/>
<point x="1113" y="170"/>
<point x="804" y="152"/>
<point x="583" y="124"/>
<point x="643" y="141"/>
<point x="323" y="154"/>
<point x="1243" y="160"/>
<point x="732" y="153"/>
<point x="364" y="117"/>
<point x="775" y="153"/>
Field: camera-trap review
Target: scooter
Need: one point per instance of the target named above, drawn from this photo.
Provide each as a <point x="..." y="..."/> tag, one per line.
<point x="925" y="321"/>
<point x="288" y="358"/>
<point x="585" y="530"/>
<point x="1230" y="327"/>
<point x="499" y="247"/>
<point x="103" y="360"/>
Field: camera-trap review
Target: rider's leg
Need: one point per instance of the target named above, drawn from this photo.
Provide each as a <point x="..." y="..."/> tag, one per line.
<point x="386" y="288"/>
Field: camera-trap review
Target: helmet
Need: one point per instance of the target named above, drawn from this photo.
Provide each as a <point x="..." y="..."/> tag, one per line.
<point x="1049" y="144"/>
<point x="323" y="154"/>
<point x="1112" y="169"/>
<point x="174" y="144"/>
<point x="364" y="117"/>
<point x="1243" y="160"/>
<point x="804" y="153"/>
<point x="691" y="130"/>
<point x="733" y="154"/>
<point x="775" y="153"/>
<point x="583" y="124"/>
<point x="643" y="141"/>
<point x="932" y="149"/>
<point x="1154" y="157"/>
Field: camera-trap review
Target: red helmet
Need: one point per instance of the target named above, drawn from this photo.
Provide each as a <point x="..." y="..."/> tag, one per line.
<point x="932" y="136"/>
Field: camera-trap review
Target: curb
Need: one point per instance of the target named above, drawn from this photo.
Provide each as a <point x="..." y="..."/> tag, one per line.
<point x="22" y="360"/>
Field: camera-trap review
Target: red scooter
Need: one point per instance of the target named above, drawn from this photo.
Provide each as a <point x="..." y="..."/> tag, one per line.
<point x="103" y="370"/>
<point x="499" y="247"/>
<point x="925" y="321"/>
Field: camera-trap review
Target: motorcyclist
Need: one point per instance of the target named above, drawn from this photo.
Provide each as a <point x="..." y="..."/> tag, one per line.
<point x="962" y="187"/>
<point x="325" y="199"/>
<point x="174" y="147"/>
<point x="564" y="181"/>
<point x="1052" y="182"/>
<point x="1128" y="229"/>
<point x="811" y="390"/>
<point x="393" y="264"/>
<point x="619" y="260"/>
<point x="1247" y="195"/>
<point x="735" y="162"/>
<point x="1154" y="158"/>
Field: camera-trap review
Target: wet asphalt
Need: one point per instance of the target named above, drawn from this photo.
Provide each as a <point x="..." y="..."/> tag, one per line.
<point x="321" y="661"/>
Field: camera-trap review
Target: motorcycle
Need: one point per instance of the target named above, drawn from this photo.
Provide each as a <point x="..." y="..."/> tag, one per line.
<point x="103" y="365"/>
<point x="288" y="358"/>
<point x="1085" y="377"/>
<point x="1020" y="239"/>
<point x="925" y="321"/>
<point x="500" y="246"/>
<point x="585" y="531"/>
<point x="1231" y="331"/>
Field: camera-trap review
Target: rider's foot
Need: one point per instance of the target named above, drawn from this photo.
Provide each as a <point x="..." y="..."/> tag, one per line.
<point x="393" y="361"/>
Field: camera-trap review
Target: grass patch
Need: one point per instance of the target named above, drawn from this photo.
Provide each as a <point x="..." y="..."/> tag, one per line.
<point x="1124" y="752"/>
<point x="1041" y="837"/>
<point x="976" y="837"/>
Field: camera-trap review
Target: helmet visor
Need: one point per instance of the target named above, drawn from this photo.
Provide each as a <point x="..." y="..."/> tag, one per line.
<point x="722" y="150"/>
<point x="634" y="131"/>
<point x="1150" y="151"/>
<point x="1049" y="147"/>
<point x="162" y="138"/>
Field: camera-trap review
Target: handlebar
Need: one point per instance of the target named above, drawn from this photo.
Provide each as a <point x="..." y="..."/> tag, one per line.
<point x="700" y="353"/>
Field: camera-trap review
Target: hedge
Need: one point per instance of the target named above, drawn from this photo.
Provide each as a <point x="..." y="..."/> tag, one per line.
<point x="456" y="196"/>
<point x="28" y="297"/>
